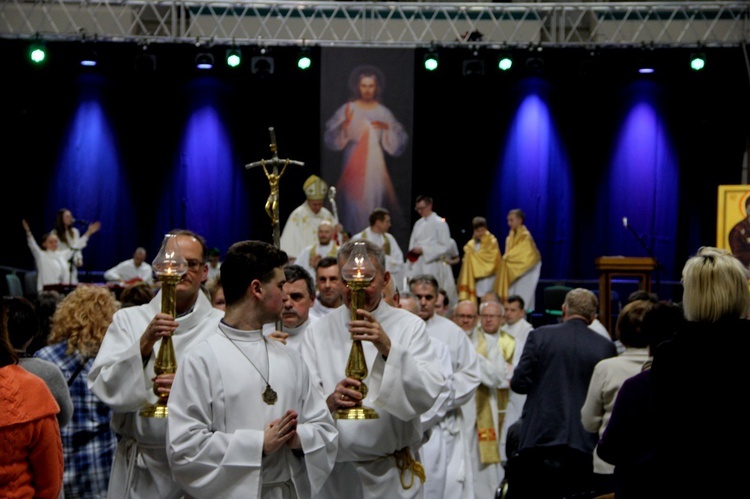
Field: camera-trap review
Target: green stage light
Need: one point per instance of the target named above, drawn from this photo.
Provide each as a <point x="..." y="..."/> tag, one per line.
<point x="504" y="62"/>
<point x="697" y="61"/>
<point x="37" y="53"/>
<point x="304" y="61"/>
<point x="431" y="61"/>
<point x="234" y="58"/>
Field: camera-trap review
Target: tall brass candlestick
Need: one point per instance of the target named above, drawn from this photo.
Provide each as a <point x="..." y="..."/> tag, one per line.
<point x="358" y="271"/>
<point x="170" y="266"/>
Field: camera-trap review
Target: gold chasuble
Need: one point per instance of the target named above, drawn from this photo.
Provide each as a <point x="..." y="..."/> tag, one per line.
<point x="489" y="449"/>
<point x="521" y="254"/>
<point x="477" y="264"/>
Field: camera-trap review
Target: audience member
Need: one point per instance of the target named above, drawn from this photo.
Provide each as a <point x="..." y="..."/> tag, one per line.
<point x="295" y="315"/>
<point x="89" y="443"/>
<point x="519" y="328"/>
<point x="137" y="293"/>
<point x="216" y="293"/>
<point x="480" y="262"/>
<point x="123" y="375"/>
<point x="325" y="245"/>
<point x="651" y="437"/>
<point x="214" y="263"/>
<point x="555" y="451"/>
<point x="51" y="264"/>
<point x="222" y="442"/>
<point x="71" y="243"/>
<point x="480" y="419"/>
<point x="330" y="288"/>
<point x="45" y="304"/>
<point x="377" y="232"/>
<point x="31" y="461"/>
<point x="446" y="456"/>
<point x="344" y="236"/>
<point x="607" y="378"/>
<point x="131" y="270"/>
<point x="376" y="456"/>
<point x="22" y="327"/>
<point x="301" y="228"/>
<point x="429" y="245"/>
<point x="521" y="264"/>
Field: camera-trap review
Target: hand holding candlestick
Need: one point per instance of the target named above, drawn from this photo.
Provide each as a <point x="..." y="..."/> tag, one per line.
<point x="169" y="266"/>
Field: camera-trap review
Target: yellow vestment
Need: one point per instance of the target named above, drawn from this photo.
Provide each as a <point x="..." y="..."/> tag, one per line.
<point x="521" y="254"/>
<point x="477" y="264"/>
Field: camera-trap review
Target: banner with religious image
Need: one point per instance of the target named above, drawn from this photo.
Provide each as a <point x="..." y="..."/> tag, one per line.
<point x="733" y="221"/>
<point x="366" y="125"/>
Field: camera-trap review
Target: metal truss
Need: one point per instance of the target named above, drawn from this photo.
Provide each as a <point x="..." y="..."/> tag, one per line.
<point x="381" y="24"/>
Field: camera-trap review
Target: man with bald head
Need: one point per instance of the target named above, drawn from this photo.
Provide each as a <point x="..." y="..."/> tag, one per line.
<point x="132" y="270"/>
<point x="325" y="246"/>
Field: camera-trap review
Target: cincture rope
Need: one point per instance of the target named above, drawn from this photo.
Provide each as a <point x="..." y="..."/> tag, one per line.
<point x="404" y="462"/>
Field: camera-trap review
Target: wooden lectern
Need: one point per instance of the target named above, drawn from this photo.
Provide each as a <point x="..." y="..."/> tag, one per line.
<point x="621" y="266"/>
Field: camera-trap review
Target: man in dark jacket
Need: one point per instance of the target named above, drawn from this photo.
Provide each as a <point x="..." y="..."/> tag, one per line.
<point x="554" y="456"/>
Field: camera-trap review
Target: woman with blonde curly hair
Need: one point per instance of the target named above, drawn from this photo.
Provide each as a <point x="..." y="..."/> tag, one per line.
<point x="78" y="327"/>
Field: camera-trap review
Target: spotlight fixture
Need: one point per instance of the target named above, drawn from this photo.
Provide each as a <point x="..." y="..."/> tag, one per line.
<point x="304" y="61"/>
<point x="473" y="67"/>
<point x="431" y="61"/>
<point x="535" y="65"/>
<point x="38" y="53"/>
<point x="646" y="66"/>
<point x="234" y="57"/>
<point x="88" y="57"/>
<point x="504" y="61"/>
<point x="262" y="65"/>
<point x="204" y="61"/>
<point x="697" y="61"/>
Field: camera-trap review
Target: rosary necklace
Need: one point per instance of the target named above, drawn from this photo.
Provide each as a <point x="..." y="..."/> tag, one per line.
<point x="269" y="395"/>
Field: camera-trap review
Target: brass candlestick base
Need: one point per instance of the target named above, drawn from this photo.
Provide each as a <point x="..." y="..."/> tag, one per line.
<point x="356" y="366"/>
<point x="165" y="362"/>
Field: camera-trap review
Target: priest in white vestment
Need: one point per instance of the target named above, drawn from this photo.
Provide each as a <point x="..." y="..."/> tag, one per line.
<point x="481" y="416"/>
<point x="376" y="457"/>
<point x="446" y="453"/>
<point x="377" y="232"/>
<point x="245" y="420"/>
<point x="430" y="245"/>
<point x="295" y="317"/>
<point x="325" y="246"/>
<point x="123" y="376"/>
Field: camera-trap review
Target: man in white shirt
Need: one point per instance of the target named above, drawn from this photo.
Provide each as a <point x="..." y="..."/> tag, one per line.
<point x="132" y="270"/>
<point x="377" y="232"/>
<point x="123" y="376"/>
<point x="404" y="379"/>
<point x="325" y="245"/>
<point x="430" y="245"/>
<point x="301" y="228"/>
<point x="446" y="453"/>
<point x="295" y="316"/>
<point x="214" y="263"/>
<point x="330" y="288"/>
<point x="245" y="419"/>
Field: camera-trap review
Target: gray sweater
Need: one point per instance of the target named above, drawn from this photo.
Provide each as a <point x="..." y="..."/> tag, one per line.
<point x="58" y="385"/>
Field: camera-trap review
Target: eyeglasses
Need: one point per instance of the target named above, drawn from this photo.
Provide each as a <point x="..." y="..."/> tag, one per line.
<point x="463" y="316"/>
<point x="488" y="316"/>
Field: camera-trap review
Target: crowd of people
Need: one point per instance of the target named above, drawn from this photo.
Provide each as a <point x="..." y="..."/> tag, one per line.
<point x="454" y="394"/>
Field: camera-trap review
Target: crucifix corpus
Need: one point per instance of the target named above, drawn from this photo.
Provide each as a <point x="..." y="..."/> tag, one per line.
<point x="272" y="204"/>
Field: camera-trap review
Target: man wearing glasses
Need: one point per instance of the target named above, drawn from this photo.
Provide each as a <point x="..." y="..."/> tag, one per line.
<point x="123" y="375"/>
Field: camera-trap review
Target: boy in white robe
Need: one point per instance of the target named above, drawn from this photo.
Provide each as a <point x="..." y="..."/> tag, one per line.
<point x="376" y="456"/>
<point x="123" y="376"/>
<point x="245" y="420"/>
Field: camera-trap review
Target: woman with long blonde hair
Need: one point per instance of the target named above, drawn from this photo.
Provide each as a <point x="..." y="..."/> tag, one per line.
<point x="78" y="327"/>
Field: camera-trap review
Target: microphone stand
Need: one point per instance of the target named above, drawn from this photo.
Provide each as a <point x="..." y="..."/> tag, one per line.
<point x="650" y="252"/>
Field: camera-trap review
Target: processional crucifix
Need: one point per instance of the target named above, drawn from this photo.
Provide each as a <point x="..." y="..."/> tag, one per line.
<point x="272" y="204"/>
